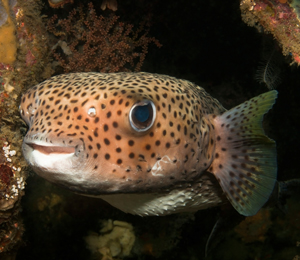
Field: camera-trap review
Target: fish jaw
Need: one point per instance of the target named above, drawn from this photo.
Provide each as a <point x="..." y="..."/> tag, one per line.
<point x="49" y="160"/>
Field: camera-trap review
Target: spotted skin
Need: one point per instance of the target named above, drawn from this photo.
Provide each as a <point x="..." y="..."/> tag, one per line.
<point x="80" y="136"/>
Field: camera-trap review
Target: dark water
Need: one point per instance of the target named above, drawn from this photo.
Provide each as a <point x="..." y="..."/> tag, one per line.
<point x="205" y="42"/>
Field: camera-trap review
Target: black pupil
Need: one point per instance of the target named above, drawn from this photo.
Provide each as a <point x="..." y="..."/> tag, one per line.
<point x="142" y="113"/>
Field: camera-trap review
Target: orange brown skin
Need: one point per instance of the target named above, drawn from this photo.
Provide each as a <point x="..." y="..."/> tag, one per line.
<point x="117" y="158"/>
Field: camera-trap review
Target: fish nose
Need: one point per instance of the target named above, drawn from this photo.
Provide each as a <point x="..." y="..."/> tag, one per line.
<point x="27" y="113"/>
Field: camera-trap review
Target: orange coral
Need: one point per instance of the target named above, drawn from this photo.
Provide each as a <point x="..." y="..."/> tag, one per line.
<point x="110" y="4"/>
<point x="59" y="3"/>
<point x="97" y="43"/>
<point x="8" y="40"/>
<point x="254" y="228"/>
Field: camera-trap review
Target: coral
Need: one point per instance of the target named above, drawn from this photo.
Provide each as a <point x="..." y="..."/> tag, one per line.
<point x="278" y="18"/>
<point x="59" y="3"/>
<point x="12" y="183"/>
<point x="268" y="71"/>
<point x="254" y="228"/>
<point x="8" y="42"/>
<point x="98" y="43"/>
<point x="109" y="4"/>
<point x="116" y="239"/>
<point x="32" y="61"/>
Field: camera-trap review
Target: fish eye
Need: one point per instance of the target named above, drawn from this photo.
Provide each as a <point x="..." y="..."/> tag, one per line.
<point x="142" y="115"/>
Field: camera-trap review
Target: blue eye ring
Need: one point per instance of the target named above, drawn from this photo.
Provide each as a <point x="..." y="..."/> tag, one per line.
<point x="142" y="115"/>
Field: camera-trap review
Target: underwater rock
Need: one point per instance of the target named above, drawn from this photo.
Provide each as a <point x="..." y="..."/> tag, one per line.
<point x="20" y="26"/>
<point x="280" y="18"/>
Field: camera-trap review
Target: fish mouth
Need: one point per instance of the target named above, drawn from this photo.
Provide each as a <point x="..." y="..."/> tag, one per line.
<point x="52" y="149"/>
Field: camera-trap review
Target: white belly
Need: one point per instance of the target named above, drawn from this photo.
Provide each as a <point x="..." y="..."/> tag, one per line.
<point x="202" y="195"/>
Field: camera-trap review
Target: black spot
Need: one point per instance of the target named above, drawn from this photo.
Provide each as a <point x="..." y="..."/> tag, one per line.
<point x="157" y="143"/>
<point x="185" y="130"/>
<point x="95" y="155"/>
<point x="148" y="147"/>
<point x="118" y="137"/>
<point x="168" y="145"/>
<point x="96" y="132"/>
<point x="130" y="142"/>
<point x="119" y="161"/>
<point x="115" y="124"/>
<point x="118" y="150"/>
<point x="106" y="141"/>
<point x="105" y="127"/>
<point x="131" y="155"/>
<point x="108" y="115"/>
<point x="84" y="102"/>
<point x="107" y="156"/>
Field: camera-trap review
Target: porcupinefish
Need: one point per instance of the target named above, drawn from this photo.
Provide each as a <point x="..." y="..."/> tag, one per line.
<point x="149" y="144"/>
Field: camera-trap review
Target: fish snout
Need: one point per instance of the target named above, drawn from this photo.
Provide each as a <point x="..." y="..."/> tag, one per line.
<point x="28" y="108"/>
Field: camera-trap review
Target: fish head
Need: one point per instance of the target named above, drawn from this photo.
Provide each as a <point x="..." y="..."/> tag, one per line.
<point x="113" y="133"/>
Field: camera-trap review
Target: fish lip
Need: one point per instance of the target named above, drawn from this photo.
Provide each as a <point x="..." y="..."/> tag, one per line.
<point x="51" y="149"/>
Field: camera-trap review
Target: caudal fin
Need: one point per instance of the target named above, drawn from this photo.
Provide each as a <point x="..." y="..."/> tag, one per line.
<point x="245" y="158"/>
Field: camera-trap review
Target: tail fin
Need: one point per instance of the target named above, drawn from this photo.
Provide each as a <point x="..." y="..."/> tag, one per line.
<point x="245" y="158"/>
